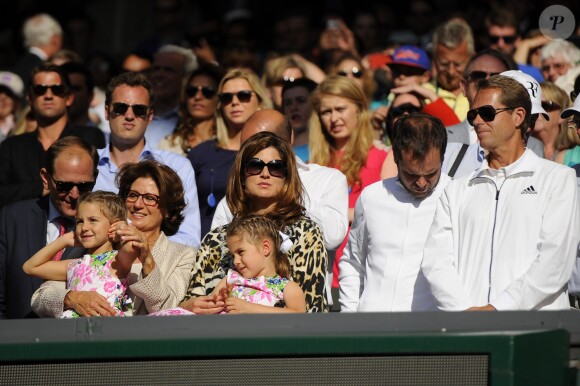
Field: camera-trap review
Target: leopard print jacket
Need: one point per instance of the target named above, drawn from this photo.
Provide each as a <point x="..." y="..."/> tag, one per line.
<point x="308" y="259"/>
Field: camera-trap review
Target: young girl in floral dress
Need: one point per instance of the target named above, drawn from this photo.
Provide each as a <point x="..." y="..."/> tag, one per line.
<point x="259" y="283"/>
<point x="105" y="266"/>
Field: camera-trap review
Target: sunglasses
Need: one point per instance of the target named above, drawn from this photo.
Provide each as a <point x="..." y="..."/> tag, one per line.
<point x="58" y="90"/>
<point x="66" y="187"/>
<point x="487" y="113"/>
<point x="406" y="108"/>
<point x="508" y="39"/>
<point x="550" y="106"/>
<point x="149" y="199"/>
<point x="399" y="70"/>
<point x="207" y="92"/>
<point x="356" y="72"/>
<point x="244" y="96"/>
<point x="286" y="79"/>
<point x="276" y="167"/>
<point x="475" y="76"/>
<point x="120" y="108"/>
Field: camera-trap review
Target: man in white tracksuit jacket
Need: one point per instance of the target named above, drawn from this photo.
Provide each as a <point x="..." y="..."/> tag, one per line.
<point x="380" y="267"/>
<point x="506" y="236"/>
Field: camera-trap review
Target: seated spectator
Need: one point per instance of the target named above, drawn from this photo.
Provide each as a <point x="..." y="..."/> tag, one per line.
<point x="264" y="180"/>
<point x="154" y="199"/>
<point x="11" y="93"/>
<point x="570" y="154"/>
<point x="297" y="108"/>
<point x="21" y="156"/>
<point x="557" y="58"/>
<point x="341" y="137"/>
<point x="554" y="101"/>
<point x="240" y="94"/>
<point x="29" y="225"/>
<point x="351" y="66"/>
<point x="197" y="109"/>
<point x="277" y="71"/>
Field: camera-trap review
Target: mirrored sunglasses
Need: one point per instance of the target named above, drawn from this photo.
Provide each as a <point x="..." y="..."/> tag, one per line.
<point x="207" y="92"/>
<point x="244" y="96"/>
<point x="140" y="111"/>
<point x="276" y="167"/>
<point x="487" y="113"/>
<point x="58" y="90"/>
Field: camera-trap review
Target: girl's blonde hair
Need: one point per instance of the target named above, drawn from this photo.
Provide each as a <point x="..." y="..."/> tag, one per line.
<point x="111" y="204"/>
<point x="322" y="145"/>
<point x="256" y="86"/>
<point x="254" y="229"/>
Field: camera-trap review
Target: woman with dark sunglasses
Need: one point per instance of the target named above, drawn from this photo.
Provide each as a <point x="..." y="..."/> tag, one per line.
<point x="238" y="96"/>
<point x="264" y="180"/>
<point x="196" y="110"/>
<point x="554" y="101"/>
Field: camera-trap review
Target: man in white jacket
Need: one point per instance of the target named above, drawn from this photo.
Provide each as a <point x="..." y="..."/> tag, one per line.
<point x="505" y="237"/>
<point x="380" y="268"/>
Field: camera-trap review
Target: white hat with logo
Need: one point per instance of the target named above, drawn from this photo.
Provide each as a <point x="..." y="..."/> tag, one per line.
<point x="12" y="82"/>
<point x="532" y="87"/>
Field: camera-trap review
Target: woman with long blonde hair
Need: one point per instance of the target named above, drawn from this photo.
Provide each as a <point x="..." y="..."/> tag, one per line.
<point x="240" y="94"/>
<point x="341" y="136"/>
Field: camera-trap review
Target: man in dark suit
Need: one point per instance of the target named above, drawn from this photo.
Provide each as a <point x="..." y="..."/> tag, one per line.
<point x="22" y="156"/>
<point x="42" y="39"/>
<point x="27" y="226"/>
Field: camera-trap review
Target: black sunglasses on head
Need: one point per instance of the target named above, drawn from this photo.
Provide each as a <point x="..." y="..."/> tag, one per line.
<point x="58" y="90"/>
<point x="207" y="92"/>
<point x="356" y="72"/>
<point x="508" y="39"/>
<point x="121" y="108"/>
<point x="487" y="113"/>
<point x="66" y="187"/>
<point x="243" y="96"/>
<point x="480" y="75"/>
<point x="276" y="167"/>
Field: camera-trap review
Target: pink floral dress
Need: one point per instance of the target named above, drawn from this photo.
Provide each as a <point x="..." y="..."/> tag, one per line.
<point x="93" y="273"/>
<point x="262" y="290"/>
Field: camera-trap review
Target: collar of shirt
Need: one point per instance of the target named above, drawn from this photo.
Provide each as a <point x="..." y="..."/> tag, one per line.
<point x="38" y="52"/>
<point x="527" y="163"/>
<point x="301" y="164"/>
<point x="105" y="156"/>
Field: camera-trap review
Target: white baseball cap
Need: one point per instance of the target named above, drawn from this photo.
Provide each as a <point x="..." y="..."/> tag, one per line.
<point x="533" y="88"/>
<point x="572" y="110"/>
<point x="13" y="82"/>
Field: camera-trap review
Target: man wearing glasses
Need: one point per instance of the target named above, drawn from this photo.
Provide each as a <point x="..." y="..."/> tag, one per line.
<point x="506" y="236"/>
<point x="21" y="156"/>
<point x="129" y="102"/>
<point x="27" y="226"/>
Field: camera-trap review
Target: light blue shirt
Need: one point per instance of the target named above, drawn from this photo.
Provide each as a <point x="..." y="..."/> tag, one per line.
<point x="160" y="127"/>
<point x="189" y="232"/>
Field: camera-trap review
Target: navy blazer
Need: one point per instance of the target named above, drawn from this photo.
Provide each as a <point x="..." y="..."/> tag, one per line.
<point x="23" y="227"/>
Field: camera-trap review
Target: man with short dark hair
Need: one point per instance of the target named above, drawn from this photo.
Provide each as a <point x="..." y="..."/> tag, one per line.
<point x="82" y="85"/>
<point x="27" y="226"/>
<point x="505" y="237"/>
<point x="21" y="156"/>
<point x="380" y="267"/>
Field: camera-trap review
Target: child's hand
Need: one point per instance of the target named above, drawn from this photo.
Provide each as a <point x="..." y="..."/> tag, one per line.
<point x="70" y="239"/>
<point x="224" y="293"/>
<point x="237" y="306"/>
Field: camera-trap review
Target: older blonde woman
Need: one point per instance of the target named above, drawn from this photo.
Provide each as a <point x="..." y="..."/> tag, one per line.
<point x="240" y="94"/>
<point x="341" y="136"/>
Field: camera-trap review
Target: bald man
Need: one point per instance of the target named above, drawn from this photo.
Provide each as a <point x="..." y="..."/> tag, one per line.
<point x="326" y="199"/>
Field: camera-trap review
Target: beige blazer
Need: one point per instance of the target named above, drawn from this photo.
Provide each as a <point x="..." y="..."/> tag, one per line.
<point x="163" y="288"/>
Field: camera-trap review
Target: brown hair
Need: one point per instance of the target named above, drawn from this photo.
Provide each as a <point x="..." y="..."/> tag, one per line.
<point x="257" y="228"/>
<point x="131" y="79"/>
<point x="171" y="192"/>
<point x="111" y="204"/>
<point x="361" y="140"/>
<point x="289" y="206"/>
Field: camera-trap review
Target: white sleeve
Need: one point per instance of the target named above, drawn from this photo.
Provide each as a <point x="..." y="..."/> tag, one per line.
<point x="330" y="210"/>
<point x="353" y="261"/>
<point x="222" y="214"/>
<point x="557" y="246"/>
<point x="439" y="263"/>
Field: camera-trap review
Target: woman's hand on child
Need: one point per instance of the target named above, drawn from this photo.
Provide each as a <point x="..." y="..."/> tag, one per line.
<point x="210" y="304"/>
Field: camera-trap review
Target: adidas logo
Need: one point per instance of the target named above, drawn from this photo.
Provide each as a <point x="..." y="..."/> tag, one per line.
<point x="529" y="190"/>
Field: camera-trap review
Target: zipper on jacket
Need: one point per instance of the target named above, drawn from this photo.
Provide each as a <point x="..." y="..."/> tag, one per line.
<point x="492" y="241"/>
